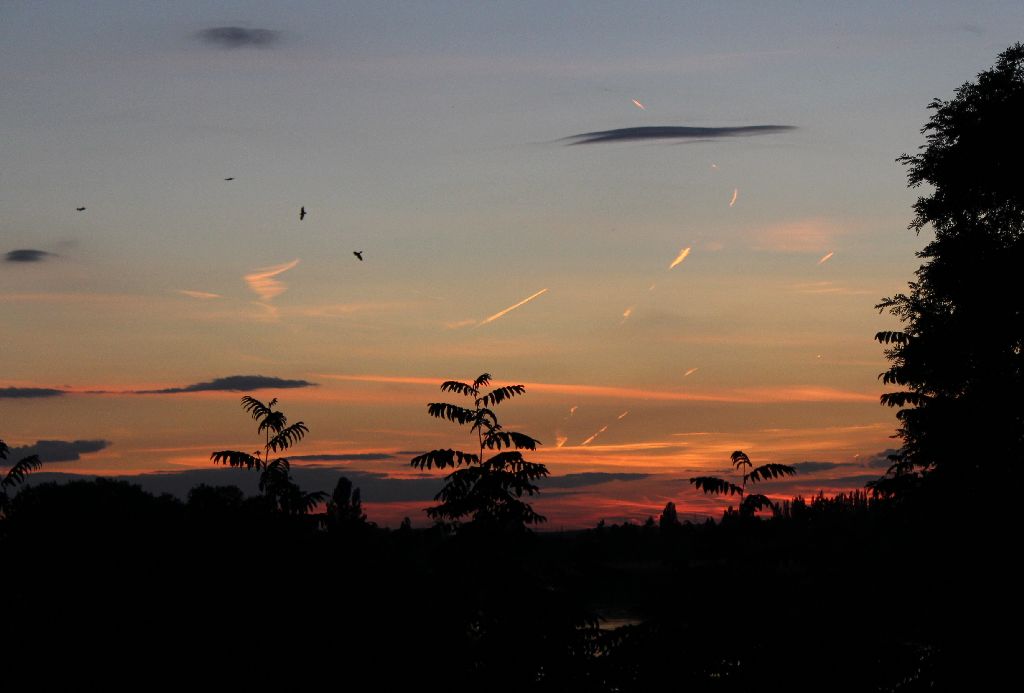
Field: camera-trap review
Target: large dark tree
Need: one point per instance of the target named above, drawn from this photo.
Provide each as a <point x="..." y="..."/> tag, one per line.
<point x="957" y="358"/>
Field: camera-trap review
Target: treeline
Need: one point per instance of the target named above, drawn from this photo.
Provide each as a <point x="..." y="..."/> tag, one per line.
<point x="801" y="600"/>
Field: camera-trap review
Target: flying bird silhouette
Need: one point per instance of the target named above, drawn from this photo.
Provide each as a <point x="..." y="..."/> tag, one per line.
<point x="79" y="209"/>
<point x="358" y="254"/>
<point x="302" y="213"/>
<point x="231" y="178"/>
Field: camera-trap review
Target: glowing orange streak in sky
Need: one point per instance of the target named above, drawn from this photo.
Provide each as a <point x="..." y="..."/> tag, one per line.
<point x="827" y="257"/>
<point x="690" y="372"/>
<point x="623" y="415"/>
<point x="603" y="429"/>
<point x="755" y="395"/>
<point x="735" y="194"/>
<point x="262" y="281"/>
<point x="511" y="308"/>
<point x="639" y="105"/>
<point x="198" y="294"/>
<point x="679" y="258"/>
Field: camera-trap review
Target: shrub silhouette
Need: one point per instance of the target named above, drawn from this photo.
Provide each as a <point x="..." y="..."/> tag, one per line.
<point x="487" y="490"/>
<point x="15" y="475"/>
<point x="276" y="482"/>
<point x="749" y="503"/>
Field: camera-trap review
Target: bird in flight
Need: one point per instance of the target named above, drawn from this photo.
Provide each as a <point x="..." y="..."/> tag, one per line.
<point x="231" y="178"/>
<point x="302" y="213"/>
<point x="79" y="209"/>
<point x="358" y="254"/>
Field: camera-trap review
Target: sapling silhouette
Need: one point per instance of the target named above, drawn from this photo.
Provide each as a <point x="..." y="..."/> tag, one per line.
<point x="749" y="503"/>
<point x="275" y="475"/>
<point x="15" y="475"/>
<point x="486" y="490"/>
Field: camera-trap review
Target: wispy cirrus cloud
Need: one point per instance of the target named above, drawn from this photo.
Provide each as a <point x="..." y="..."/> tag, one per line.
<point x="674" y="132"/>
<point x="264" y="282"/>
<point x="232" y="383"/>
<point x="753" y="395"/>
<point x="797" y="236"/>
<point x="202" y="295"/>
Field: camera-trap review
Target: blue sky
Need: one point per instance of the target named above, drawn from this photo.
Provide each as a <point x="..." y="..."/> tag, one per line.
<point x="430" y="136"/>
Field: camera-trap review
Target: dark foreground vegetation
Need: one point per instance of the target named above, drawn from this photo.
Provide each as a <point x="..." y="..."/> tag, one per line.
<point x="830" y="594"/>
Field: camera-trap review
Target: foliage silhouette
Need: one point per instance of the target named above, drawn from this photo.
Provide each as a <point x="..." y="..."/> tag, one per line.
<point x="749" y="503"/>
<point x="958" y="355"/>
<point x="276" y="482"/>
<point x="345" y="507"/>
<point x="487" y="490"/>
<point x="15" y="475"/>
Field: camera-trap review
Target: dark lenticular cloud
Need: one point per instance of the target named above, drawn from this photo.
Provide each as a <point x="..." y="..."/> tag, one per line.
<point x="674" y="132"/>
<point x="233" y="383"/>
<point x="589" y="479"/>
<point x="28" y="392"/>
<point x="811" y="467"/>
<point x="27" y="255"/>
<point x="343" y="457"/>
<point x="238" y="37"/>
<point x="58" y="450"/>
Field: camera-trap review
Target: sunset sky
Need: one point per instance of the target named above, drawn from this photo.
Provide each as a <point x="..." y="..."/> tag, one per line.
<point x="446" y="142"/>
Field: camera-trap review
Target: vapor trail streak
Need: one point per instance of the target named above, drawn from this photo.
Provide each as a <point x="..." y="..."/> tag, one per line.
<point x="735" y="194"/>
<point x="827" y="257"/>
<point x="205" y="295"/>
<point x="511" y="308"/>
<point x="679" y="258"/>
<point x="690" y="372"/>
<point x="603" y="429"/>
<point x="639" y="105"/>
<point x="623" y="415"/>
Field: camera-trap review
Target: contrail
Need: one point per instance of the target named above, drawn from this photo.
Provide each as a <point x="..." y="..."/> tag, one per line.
<point x="263" y="283"/>
<point x="511" y="308"/>
<point x="679" y="258"/>
<point x="639" y="105"/>
<point x="603" y="429"/>
<point x="827" y="257"/>
<point x="735" y="194"/>
<point x="690" y="372"/>
<point x="623" y="415"/>
<point x="206" y="295"/>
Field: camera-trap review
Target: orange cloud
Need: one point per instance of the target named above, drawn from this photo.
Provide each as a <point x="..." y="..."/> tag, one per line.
<point x="754" y="395"/>
<point x="264" y="283"/>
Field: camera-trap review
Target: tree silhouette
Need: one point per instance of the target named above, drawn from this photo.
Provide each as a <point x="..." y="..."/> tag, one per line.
<point x="345" y="507"/>
<point x="487" y="490"/>
<point x="276" y="482"/>
<point x="15" y="475"/>
<point x="749" y="503"/>
<point x="958" y="356"/>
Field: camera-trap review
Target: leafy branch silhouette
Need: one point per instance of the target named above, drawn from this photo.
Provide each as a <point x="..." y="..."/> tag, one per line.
<point x="487" y="490"/>
<point x="15" y="475"/>
<point x="749" y="503"/>
<point x="276" y="482"/>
